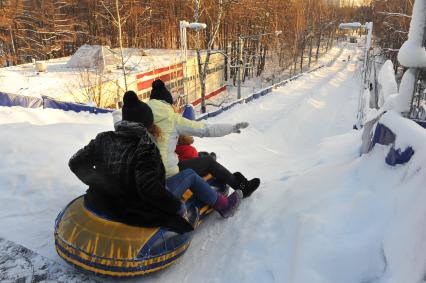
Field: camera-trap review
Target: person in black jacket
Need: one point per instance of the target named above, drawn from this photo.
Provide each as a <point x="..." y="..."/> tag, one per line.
<point x="126" y="176"/>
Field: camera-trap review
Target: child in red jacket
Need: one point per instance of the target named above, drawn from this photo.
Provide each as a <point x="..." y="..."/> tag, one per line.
<point x="185" y="150"/>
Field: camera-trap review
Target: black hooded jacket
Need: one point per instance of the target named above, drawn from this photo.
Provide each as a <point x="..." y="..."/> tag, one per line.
<point x="126" y="179"/>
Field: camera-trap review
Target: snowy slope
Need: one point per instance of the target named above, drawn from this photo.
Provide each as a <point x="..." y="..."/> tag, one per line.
<point x="322" y="214"/>
<point x="19" y="264"/>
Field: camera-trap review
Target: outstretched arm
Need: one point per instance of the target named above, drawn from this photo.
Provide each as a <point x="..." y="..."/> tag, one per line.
<point x="201" y="129"/>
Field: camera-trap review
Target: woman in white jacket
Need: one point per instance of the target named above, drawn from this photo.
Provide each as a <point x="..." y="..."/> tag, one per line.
<point x="173" y="125"/>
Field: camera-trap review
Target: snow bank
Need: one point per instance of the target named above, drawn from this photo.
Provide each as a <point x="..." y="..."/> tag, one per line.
<point x="92" y="57"/>
<point x="401" y="101"/>
<point x="387" y="81"/>
<point x="18" y="264"/>
<point x="36" y="183"/>
<point x="38" y="116"/>
<point x="407" y="132"/>
<point x="404" y="242"/>
<point x="325" y="213"/>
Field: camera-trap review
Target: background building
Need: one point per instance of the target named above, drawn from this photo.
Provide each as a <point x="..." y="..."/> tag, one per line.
<point x="93" y="75"/>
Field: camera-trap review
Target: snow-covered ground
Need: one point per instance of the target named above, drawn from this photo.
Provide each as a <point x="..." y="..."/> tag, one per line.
<point x="19" y="264"/>
<point x="322" y="214"/>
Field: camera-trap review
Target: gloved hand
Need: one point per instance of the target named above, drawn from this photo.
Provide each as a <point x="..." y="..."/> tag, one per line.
<point x="239" y="126"/>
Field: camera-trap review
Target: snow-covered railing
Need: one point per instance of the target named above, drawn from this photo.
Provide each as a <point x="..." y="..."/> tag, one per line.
<point x="412" y="55"/>
<point x="255" y="95"/>
<point x="389" y="127"/>
<point x="410" y="98"/>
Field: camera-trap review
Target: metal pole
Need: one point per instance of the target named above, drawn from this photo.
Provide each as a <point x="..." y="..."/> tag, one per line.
<point x="240" y="61"/>
<point x="185" y="71"/>
<point x="184" y="56"/>
<point x="364" y="67"/>
<point x="361" y="100"/>
<point x="367" y="46"/>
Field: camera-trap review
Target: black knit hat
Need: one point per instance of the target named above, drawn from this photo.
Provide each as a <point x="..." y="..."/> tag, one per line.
<point x="135" y="110"/>
<point x="160" y="92"/>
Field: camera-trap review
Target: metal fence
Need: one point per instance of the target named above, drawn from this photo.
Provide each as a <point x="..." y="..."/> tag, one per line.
<point x="255" y="95"/>
<point x="418" y="103"/>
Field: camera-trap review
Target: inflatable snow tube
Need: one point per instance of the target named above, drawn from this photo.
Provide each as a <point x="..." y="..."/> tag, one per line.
<point x="92" y="243"/>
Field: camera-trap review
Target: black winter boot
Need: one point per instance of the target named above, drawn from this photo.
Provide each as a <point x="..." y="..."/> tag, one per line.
<point x="246" y="186"/>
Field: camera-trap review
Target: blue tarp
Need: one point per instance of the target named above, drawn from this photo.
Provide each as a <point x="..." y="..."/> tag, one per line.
<point x="396" y="156"/>
<point x="258" y="94"/>
<point x="188" y="112"/>
<point x="68" y="106"/>
<point x="7" y="99"/>
<point x="383" y="135"/>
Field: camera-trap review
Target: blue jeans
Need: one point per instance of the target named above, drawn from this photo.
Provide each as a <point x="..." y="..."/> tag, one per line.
<point x="188" y="179"/>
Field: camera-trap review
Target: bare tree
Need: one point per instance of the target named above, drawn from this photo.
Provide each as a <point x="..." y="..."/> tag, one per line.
<point x="392" y="20"/>
<point x="117" y="21"/>
<point x="216" y="20"/>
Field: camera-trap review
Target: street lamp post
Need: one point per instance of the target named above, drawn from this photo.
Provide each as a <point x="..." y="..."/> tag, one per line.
<point x="362" y="102"/>
<point x="240" y="54"/>
<point x="183" y="25"/>
<point x="369" y="27"/>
